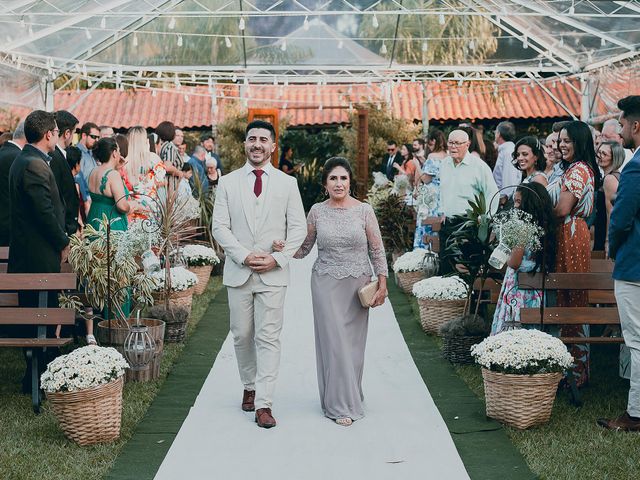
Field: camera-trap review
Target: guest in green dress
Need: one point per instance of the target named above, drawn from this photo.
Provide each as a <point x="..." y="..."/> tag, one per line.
<point x="106" y="186"/>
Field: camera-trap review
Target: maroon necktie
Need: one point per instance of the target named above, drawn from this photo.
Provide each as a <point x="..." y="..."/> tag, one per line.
<point x="257" y="187"/>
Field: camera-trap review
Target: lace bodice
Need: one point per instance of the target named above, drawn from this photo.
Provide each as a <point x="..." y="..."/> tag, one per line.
<point x="349" y="241"/>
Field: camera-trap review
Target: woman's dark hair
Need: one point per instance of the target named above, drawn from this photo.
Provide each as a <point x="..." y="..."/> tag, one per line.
<point x="166" y="131"/>
<point x="186" y="167"/>
<point x="536" y="148"/>
<point x="535" y="201"/>
<point x="153" y="139"/>
<point x="73" y="156"/>
<point x="441" y="141"/>
<point x="584" y="151"/>
<point x="334" y="162"/>
<point x="104" y="148"/>
<point x="123" y="144"/>
<point x="476" y="142"/>
<point x="410" y="150"/>
<point x="284" y="151"/>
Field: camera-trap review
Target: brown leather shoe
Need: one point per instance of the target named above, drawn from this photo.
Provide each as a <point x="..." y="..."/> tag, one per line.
<point x="623" y="423"/>
<point x="264" y="418"/>
<point x="248" y="398"/>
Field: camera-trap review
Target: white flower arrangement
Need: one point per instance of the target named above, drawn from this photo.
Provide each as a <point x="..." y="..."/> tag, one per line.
<point x="441" y="288"/>
<point x="181" y="279"/>
<point x="380" y="180"/>
<point x="199" y="255"/>
<point x="516" y="228"/>
<point x="410" y="261"/>
<point x="401" y="184"/>
<point x="188" y="208"/>
<point x="138" y="238"/>
<point x="525" y="352"/>
<point x="84" y="367"/>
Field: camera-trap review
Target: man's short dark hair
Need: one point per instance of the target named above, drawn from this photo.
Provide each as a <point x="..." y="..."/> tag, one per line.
<point x="166" y="131"/>
<point x="630" y="106"/>
<point x="37" y="124"/>
<point x="65" y="121"/>
<point x="558" y="126"/>
<point x="420" y="141"/>
<point x="206" y="136"/>
<point x="87" y="127"/>
<point x="261" y="124"/>
<point x="507" y="131"/>
<point x="391" y="142"/>
<point x="73" y="156"/>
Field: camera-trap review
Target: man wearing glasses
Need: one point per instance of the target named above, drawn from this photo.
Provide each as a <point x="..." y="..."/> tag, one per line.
<point x="462" y="177"/>
<point x="89" y="136"/>
<point x="391" y="158"/>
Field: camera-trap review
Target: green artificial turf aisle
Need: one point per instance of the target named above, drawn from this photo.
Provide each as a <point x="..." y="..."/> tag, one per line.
<point x="483" y="444"/>
<point x="141" y="457"/>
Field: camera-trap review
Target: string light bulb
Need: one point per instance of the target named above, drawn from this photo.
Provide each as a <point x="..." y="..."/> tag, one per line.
<point x="135" y="39"/>
<point x="441" y="19"/>
<point x="383" y="49"/>
<point x="305" y="24"/>
<point x="374" y="21"/>
<point x="572" y="8"/>
<point x="179" y="40"/>
<point x="525" y="42"/>
<point x="283" y="47"/>
<point x="340" y="44"/>
<point x="227" y="42"/>
<point x="87" y="33"/>
<point x="472" y="44"/>
<point x="425" y="46"/>
<point x="103" y="23"/>
<point x="172" y="23"/>
<point x="241" y="24"/>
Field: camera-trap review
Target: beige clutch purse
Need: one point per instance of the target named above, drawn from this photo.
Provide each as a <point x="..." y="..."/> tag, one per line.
<point x="366" y="293"/>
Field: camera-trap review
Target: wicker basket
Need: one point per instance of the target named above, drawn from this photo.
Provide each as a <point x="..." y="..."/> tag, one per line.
<point x="520" y="401"/>
<point x="407" y="279"/>
<point x="458" y="349"/>
<point x="204" y="274"/>
<point x="435" y="313"/>
<point x="177" y="299"/>
<point x="91" y="415"/>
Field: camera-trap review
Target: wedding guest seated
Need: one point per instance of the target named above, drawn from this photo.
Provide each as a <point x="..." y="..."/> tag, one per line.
<point x="533" y="199"/>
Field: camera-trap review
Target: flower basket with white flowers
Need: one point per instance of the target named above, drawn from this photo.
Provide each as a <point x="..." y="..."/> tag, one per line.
<point x="180" y="293"/>
<point x="514" y="228"/>
<point x="409" y="268"/>
<point x="200" y="260"/>
<point x="521" y="370"/>
<point x="84" y="389"/>
<point x="440" y="299"/>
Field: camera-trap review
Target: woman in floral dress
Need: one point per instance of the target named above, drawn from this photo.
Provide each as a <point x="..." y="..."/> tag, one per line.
<point x="534" y="200"/>
<point x="573" y="197"/>
<point x="428" y="197"/>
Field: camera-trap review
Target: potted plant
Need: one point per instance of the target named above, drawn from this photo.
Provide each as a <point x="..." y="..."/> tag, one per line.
<point x="440" y="299"/>
<point x="409" y="268"/>
<point x="175" y="319"/>
<point x="84" y="389"/>
<point x="200" y="260"/>
<point x="521" y="370"/>
<point x="179" y="292"/>
<point x="514" y="228"/>
<point x="459" y="335"/>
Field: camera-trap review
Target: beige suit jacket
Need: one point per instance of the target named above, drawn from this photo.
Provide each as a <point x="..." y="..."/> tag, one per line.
<point x="238" y="231"/>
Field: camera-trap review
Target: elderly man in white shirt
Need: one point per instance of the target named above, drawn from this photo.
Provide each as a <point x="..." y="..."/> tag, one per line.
<point x="463" y="176"/>
<point x="506" y="175"/>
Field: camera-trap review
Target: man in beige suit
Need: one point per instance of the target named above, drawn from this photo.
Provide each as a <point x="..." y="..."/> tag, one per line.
<point x="256" y="205"/>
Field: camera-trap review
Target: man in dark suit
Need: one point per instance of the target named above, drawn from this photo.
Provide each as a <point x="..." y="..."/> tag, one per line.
<point x="67" y="124"/>
<point x="624" y="240"/>
<point x="8" y="153"/>
<point x="393" y="156"/>
<point x="38" y="240"/>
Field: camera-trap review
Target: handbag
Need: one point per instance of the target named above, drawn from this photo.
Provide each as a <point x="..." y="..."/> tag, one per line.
<point x="366" y="293"/>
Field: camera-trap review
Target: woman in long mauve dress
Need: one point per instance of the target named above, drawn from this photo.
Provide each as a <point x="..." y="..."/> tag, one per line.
<point x="573" y="196"/>
<point x="349" y="241"/>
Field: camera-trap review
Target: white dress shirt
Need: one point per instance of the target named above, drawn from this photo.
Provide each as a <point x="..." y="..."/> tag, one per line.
<point x="505" y="173"/>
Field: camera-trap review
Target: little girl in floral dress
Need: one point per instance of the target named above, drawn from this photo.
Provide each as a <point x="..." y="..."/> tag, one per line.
<point x="533" y="199"/>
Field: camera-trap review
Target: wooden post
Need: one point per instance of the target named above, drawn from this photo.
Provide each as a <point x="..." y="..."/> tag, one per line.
<point x="362" y="161"/>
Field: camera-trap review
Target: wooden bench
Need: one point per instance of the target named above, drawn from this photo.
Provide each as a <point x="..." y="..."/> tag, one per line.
<point x="41" y="317"/>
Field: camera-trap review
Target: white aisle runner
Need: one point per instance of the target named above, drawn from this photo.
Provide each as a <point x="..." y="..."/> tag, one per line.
<point x="402" y="436"/>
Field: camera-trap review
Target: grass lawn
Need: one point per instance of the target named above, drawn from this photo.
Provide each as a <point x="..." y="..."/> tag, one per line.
<point x="32" y="446"/>
<point x="572" y="446"/>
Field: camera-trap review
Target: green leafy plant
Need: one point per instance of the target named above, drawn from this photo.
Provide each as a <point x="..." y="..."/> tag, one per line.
<point x="396" y="223"/>
<point x="465" y="326"/>
<point x="470" y="245"/>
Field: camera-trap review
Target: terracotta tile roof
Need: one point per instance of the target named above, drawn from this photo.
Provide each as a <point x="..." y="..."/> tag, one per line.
<point x="191" y="107"/>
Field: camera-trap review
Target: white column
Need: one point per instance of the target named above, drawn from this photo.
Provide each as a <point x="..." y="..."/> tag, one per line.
<point x="425" y="111"/>
<point x="585" y="98"/>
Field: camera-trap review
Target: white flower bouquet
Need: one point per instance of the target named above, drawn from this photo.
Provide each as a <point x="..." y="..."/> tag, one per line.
<point x="380" y="180"/>
<point x="524" y="352"/>
<point x="181" y="279"/>
<point x="516" y="228"/>
<point x="401" y="184"/>
<point x="84" y="367"/>
<point x="410" y="261"/>
<point x="199" y="255"/>
<point x="139" y="237"/>
<point x="441" y="288"/>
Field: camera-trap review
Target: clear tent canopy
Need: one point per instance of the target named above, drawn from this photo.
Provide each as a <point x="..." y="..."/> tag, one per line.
<point x="145" y="43"/>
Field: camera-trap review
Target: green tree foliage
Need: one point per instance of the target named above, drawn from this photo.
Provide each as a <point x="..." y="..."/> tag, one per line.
<point x="461" y="39"/>
<point x="382" y="127"/>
